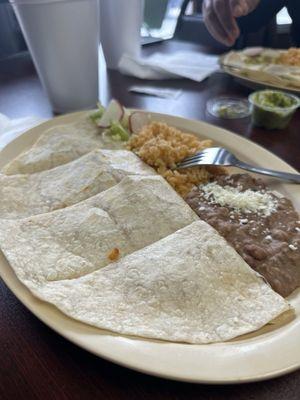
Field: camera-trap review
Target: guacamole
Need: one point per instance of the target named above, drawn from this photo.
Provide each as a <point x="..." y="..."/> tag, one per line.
<point x="272" y="109"/>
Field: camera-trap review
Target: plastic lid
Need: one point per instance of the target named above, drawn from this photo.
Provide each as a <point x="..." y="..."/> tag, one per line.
<point x="229" y="107"/>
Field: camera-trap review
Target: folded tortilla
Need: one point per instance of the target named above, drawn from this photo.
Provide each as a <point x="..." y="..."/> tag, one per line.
<point x="57" y="146"/>
<point x="272" y="73"/>
<point x="76" y="240"/>
<point x="190" y="286"/>
<point x="67" y="184"/>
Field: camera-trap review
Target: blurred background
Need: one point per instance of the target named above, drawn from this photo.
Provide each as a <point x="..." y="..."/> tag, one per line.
<point x="163" y="20"/>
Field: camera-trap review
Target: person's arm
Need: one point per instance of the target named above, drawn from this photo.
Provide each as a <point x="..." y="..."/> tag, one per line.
<point x="261" y="16"/>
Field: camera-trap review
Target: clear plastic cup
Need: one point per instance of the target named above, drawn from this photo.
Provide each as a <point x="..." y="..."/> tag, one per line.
<point x="63" y="39"/>
<point x="273" y="116"/>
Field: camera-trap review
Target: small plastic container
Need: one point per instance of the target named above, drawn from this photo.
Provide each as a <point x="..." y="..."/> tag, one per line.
<point x="273" y="109"/>
<point x="228" y="107"/>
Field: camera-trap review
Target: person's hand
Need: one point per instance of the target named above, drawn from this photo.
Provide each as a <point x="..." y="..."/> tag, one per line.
<point x="220" y="17"/>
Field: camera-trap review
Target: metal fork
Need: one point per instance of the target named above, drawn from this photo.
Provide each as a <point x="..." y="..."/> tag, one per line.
<point x="221" y="156"/>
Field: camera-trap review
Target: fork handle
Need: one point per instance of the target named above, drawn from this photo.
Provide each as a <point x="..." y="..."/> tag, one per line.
<point x="295" y="178"/>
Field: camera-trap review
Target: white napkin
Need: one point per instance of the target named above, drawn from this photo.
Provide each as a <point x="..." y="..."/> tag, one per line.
<point x="182" y="64"/>
<point x="12" y="128"/>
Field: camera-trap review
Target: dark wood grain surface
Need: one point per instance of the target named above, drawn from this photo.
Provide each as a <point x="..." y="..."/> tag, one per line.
<point x="35" y="362"/>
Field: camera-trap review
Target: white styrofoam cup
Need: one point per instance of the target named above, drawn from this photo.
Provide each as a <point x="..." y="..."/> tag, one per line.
<point x="63" y="39"/>
<point x="120" y="26"/>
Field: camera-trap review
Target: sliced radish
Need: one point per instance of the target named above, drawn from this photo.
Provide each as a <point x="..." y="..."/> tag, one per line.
<point x="253" y="51"/>
<point x="137" y="120"/>
<point x="113" y="112"/>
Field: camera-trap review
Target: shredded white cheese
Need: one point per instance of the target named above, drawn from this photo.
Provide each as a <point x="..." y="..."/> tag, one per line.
<point x="292" y="247"/>
<point x="247" y="201"/>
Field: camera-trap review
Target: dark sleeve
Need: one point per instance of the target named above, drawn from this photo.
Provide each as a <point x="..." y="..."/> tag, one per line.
<point x="261" y="16"/>
<point x="293" y="7"/>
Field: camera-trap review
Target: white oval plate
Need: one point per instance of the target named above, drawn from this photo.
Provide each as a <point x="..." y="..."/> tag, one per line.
<point x="269" y="352"/>
<point x="257" y="84"/>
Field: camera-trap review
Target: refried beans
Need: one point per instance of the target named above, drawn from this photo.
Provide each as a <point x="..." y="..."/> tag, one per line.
<point x="262" y="226"/>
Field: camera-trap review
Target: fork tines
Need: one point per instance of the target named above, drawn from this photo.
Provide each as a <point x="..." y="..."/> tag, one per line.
<point x="192" y="160"/>
<point x="196" y="156"/>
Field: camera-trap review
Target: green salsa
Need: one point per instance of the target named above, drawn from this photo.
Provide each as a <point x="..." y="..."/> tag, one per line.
<point x="272" y="109"/>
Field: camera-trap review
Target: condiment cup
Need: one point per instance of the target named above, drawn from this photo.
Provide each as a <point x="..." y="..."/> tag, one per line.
<point x="272" y="117"/>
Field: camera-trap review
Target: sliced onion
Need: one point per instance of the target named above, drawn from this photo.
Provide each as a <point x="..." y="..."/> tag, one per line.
<point x="113" y="112"/>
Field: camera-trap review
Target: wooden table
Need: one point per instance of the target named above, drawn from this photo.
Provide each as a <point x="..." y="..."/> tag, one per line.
<point x="35" y="362"/>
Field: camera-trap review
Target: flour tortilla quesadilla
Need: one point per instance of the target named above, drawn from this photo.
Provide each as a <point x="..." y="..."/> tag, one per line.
<point x="190" y="286"/>
<point x="67" y="184"/>
<point x="266" y="69"/>
<point x="57" y="146"/>
<point x="76" y="240"/>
